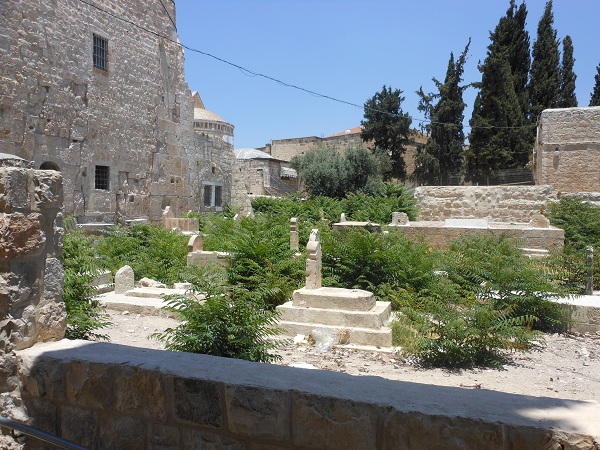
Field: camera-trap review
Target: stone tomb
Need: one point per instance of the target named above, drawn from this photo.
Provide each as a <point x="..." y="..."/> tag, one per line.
<point x="187" y="225"/>
<point x="197" y="256"/>
<point x="351" y="316"/>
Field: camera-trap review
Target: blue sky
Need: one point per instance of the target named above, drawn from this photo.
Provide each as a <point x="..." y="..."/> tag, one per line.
<point x="348" y="49"/>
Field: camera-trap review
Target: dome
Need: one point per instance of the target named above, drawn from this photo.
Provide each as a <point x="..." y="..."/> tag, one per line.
<point x="208" y="123"/>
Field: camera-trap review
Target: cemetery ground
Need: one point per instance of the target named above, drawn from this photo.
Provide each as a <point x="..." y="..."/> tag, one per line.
<point x="567" y="367"/>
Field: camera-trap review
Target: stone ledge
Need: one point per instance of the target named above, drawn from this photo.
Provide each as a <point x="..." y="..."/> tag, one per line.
<point x="307" y="408"/>
<point x="334" y="298"/>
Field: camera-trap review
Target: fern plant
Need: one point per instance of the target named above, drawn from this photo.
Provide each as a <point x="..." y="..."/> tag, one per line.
<point x="231" y="322"/>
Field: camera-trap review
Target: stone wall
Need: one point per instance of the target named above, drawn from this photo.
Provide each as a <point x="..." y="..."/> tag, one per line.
<point x="31" y="271"/>
<point x="568" y="149"/>
<point x="111" y="396"/>
<point x="497" y="203"/>
<point x="61" y="112"/>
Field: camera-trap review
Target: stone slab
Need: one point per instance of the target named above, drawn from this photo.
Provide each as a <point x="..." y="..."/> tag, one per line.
<point x="372" y="227"/>
<point x="371" y="337"/>
<point x="152" y="292"/>
<point x="334" y="298"/>
<point x="466" y="223"/>
<point x="376" y="318"/>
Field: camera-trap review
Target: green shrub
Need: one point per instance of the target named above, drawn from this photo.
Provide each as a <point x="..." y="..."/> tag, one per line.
<point x="232" y="322"/>
<point x="84" y="314"/>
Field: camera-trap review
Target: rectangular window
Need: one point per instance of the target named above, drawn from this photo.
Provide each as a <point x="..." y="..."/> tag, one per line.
<point x="100" y="53"/>
<point x="102" y="178"/>
<point x="208" y="193"/>
<point x="218" y="195"/>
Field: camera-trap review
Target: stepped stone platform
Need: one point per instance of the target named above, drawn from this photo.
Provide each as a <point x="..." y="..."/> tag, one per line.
<point x="584" y="311"/>
<point x="351" y="315"/>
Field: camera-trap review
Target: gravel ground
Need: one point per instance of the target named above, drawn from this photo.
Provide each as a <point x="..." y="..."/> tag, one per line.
<point x="567" y="367"/>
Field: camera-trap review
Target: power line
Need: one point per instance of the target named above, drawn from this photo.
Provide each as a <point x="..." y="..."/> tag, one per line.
<point x="251" y="73"/>
<point x="168" y="15"/>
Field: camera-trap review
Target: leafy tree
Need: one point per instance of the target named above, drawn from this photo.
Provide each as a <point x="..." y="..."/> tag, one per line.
<point x="388" y="127"/>
<point x="567" y="98"/>
<point x="595" y="98"/>
<point x="326" y="172"/>
<point x="544" y="84"/>
<point x="84" y="313"/>
<point x="498" y="139"/>
<point x="443" y="154"/>
<point x="501" y="107"/>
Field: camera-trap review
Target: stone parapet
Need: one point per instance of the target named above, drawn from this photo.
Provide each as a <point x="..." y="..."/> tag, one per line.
<point x="104" y="395"/>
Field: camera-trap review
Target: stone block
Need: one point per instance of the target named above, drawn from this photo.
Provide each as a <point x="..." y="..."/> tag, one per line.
<point x="198" y="401"/>
<point x="79" y="425"/>
<point x="193" y="439"/>
<point x="164" y="437"/>
<point x="42" y="414"/>
<point x="334" y="298"/>
<point x="124" y="280"/>
<point x="22" y="236"/>
<point x="140" y="391"/>
<point x="122" y="432"/>
<point x="258" y="413"/>
<point x="90" y="386"/>
<point x="377" y="317"/>
<point x="323" y="422"/>
<point x="370" y="337"/>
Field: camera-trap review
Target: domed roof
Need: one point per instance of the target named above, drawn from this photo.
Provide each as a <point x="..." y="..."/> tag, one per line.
<point x="201" y="113"/>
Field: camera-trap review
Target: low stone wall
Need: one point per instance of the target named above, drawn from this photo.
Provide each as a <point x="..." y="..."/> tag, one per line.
<point x="439" y="236"/>
<point x="111" y="396"/>
<point x="497" y="203"/>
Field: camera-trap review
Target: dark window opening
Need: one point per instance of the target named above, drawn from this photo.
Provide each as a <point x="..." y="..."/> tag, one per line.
<point x="100" y="53"/>
<point x="102" y="179"/>
<point x="218" y="195"/>
<point x="49" y="165"/>
<point x="207" y="195"/>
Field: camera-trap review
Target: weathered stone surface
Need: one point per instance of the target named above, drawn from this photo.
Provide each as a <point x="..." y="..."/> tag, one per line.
<point x="198" y="401"/>
<point x="124" y="280"/>
<point x="205" y="440"/>
<point x="258" y="413"/>
<point x="20" y="236"/>
<point x="164" y="437"/>
<point x="330" y="423"/>
<point x="123" y="432"/>
<point x="334" y="298"/>
<point x="141" y="391"/>
<point x="539" y="221"/>
<point x="148" y="282"/>
<point x="79" y="425"/>
<point x="90" y="385"/>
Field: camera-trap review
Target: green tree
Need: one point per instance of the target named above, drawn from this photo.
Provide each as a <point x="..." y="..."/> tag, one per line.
<point x="544" y="84"/>
<point x="595" y="98"/>
<point x="498" y="139"/>
<point x="442" y="156"/>
<point x="388" y="127"/>
<point x="326" y="172"/>
<point x="567" y="98"/>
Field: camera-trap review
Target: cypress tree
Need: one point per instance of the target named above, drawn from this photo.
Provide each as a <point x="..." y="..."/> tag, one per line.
<point x="442" y="156"/>
<point x="567" y="99"/>
<point x="544" y="85"/>
<point x="595" y="99"/>
<point x="497" y="125"/>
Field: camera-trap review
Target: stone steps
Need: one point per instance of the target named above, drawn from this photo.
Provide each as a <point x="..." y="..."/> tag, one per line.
<point x="375" y="318"/>
<point x="369" y="337"/>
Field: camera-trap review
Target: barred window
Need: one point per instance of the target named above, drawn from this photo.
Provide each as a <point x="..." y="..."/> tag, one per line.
<point x="102" y="178"/>
<point x="100" y="53"/>
<point x="208" y="193"/>
<point x="218" y="195"/>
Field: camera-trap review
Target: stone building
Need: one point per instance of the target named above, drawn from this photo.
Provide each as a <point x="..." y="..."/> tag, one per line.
<point x="89" y="91"/>
<point x="263" y="174"/>
<point x="568" y="150"/>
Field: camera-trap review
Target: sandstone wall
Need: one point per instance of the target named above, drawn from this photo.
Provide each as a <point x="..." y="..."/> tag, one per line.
<point x="31" y="271"/>
<point x="497" y="203"/>
<point x="111" y="396"/>
<point x="568" y="149"/>
<point x="135" y="118"/>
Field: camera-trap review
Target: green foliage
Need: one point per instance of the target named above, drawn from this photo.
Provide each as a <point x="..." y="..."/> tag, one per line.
<point x="388" y="127"/>
<point x="326" y="172"/>
<point x="595" y="97"/>
<point x="581" y="222"/>
<point x="150" y="250"/>
<point x="567" y="97"/>
<point x="84" y="314"/>
<point x="544" y="85"/>
<point x="443" y="153"/>
<point x="232" y="322"/>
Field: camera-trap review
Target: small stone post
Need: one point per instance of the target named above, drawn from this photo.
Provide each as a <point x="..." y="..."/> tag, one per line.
<point x="124" y="280"/>
<point x="589" y="285"/>
<point x="294" y="239"/>
<point x="313" y="261"/>
<point x="343" y="217"/>
<point x="399" y="218"/>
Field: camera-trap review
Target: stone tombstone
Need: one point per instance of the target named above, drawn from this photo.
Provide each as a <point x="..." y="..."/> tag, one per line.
<point x="124" y="280"/>
<point x="399" y="218"/>
<point x="195" y="244"/>
<point x="294" y="238"/>
<point x="539" y="221"/>
<point x="343" y="217"/>
<point x="313" y="261"/>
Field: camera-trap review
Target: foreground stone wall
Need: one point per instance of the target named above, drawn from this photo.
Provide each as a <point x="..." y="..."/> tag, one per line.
<point x="61" y="112"/>
<point x="497" y="203"/>
<point x="31" y="271"/>
<point x="110" y="396"/>
<point x="568" y="149"/>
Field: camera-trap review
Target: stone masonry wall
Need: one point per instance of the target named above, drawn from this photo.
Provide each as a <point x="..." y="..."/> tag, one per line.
<point x="568" y="149"/>
<point x="104" y="395"/>
<point x="31" y="271"/>
<point x="58" y="110"/>
<point x="497" y="203"/>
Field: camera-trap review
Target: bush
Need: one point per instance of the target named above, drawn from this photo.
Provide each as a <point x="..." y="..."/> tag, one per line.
<point x="84" y="314"/>
<point x="232" y="322"/>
